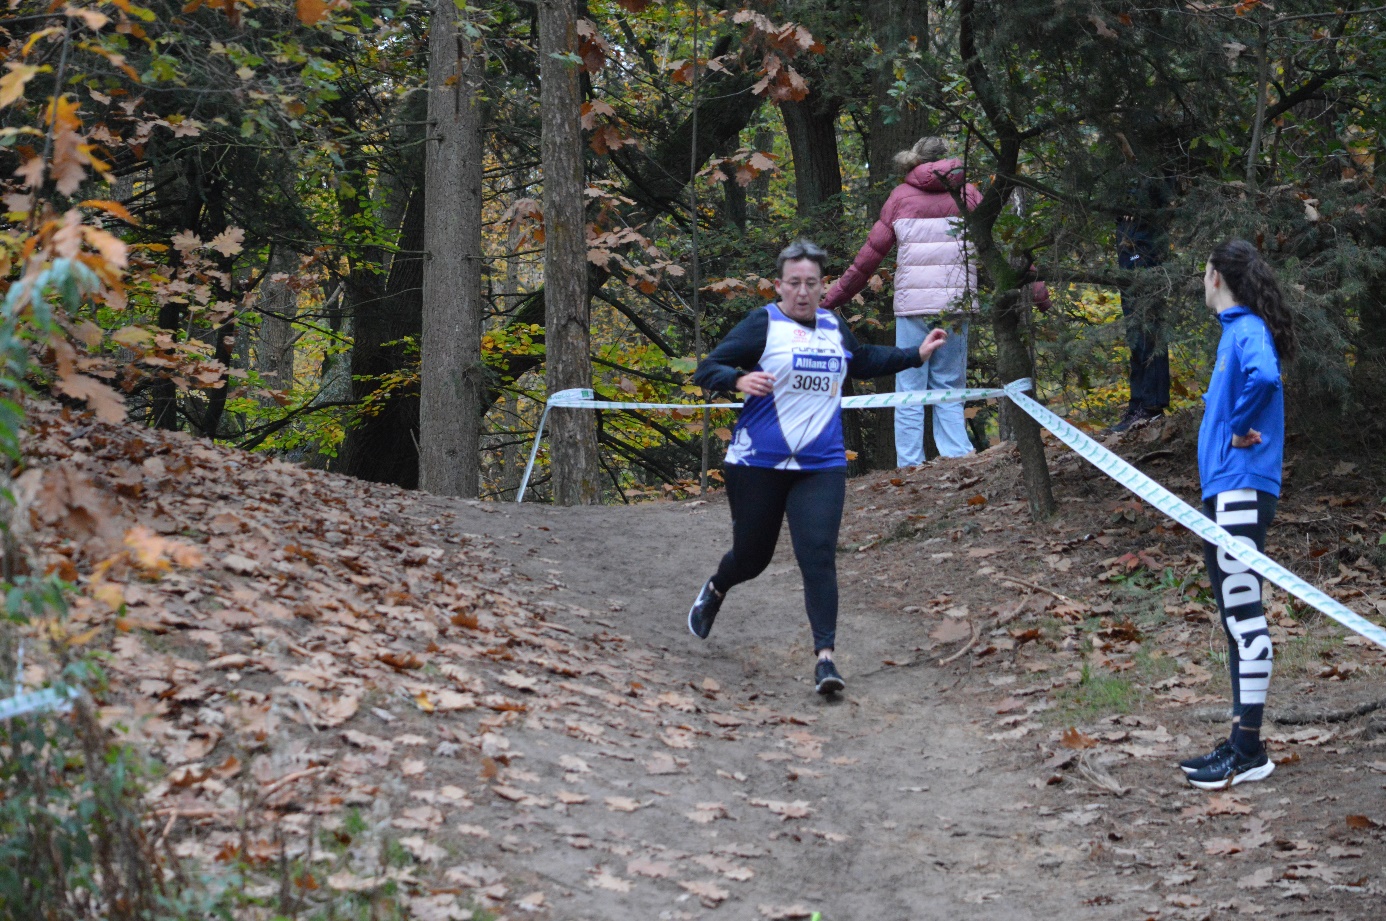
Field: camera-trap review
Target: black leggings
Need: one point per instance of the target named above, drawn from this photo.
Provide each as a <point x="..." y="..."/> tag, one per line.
<point x="1247" y="514"/>
<point x="760" y="498"/>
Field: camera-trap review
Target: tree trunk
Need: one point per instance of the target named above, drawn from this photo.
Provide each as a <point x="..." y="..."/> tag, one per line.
<point x="893" y="22"/>
<point x="277" y="305"/>
<point x="381" y="447"/>
<point x="384" y="308"/>
<point x="572" y="433"/>
<point x="451" y="377"/>
<point x="1012" y="354"/>
<point x="811" y="125"/>
<point x="1012" y="363"/>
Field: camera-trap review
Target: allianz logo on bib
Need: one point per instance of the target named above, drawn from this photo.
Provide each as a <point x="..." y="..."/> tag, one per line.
<point x="829" y="363"/>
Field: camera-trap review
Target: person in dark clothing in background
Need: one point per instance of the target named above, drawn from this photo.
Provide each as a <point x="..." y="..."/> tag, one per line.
<point x="1141" y="244"/>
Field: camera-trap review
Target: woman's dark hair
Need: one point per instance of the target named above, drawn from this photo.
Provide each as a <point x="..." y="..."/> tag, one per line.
<point x="1252" y="282"/>
<point x="802" y="249"/>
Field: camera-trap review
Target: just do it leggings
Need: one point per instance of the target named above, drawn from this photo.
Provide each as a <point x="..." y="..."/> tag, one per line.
<point x="760" y="499"/>
<point x="1246" y="514"/>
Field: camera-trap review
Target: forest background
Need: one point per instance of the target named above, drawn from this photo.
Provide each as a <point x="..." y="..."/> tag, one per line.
<point x="353" y="233"/>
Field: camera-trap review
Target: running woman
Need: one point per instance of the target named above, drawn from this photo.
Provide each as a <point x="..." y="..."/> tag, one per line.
<point x="786" y="457"/>
<point x="1240" y="447"/>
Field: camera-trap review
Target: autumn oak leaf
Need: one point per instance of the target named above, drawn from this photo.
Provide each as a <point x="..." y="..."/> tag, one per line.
<point x="229" y="241"/>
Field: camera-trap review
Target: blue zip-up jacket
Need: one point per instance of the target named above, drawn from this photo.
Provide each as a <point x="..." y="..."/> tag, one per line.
<point x="1244" y="394"/>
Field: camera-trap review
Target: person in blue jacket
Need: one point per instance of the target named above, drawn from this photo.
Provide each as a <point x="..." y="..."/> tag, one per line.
<point x="786" y="456"/>
<point x="1240" y="448"/>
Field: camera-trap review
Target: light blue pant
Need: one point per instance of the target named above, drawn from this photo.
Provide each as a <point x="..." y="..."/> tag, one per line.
<point x="945" y="369"/>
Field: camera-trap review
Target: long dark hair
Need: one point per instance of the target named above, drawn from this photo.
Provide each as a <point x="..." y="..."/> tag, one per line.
<point x="1252" y="282"/>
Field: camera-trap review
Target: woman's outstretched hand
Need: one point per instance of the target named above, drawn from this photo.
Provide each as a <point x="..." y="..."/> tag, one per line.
<point x="756" y="384"/>
<point x="1252" y="437"/>
<point x="932" y="343"/>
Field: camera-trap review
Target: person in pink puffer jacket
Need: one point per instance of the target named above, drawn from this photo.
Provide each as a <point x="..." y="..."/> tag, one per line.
<point x="935" y="285"/>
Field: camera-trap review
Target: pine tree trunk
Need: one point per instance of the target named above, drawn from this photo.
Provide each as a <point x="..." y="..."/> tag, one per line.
<point x="572" y="433"/>
<point x="451" y="380"/>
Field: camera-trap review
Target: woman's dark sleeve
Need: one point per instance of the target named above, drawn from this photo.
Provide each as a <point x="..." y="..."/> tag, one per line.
<point x="735" y="355"/>
<point x="876" y="360"/>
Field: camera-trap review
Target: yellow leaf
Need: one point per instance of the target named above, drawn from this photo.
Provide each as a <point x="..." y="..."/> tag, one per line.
<point x="85" y="637"/>
<point x="39" y="36"/>
<point x="109" y="594"/>
<point x="423" y="703"/>
<point x="112" y="207"/>
<point x="12" y="84"/>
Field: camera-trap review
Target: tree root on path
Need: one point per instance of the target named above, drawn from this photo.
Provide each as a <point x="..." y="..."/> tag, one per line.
<point x="1040" y="588"/>
<point x="1302" y="718"/>
<point x="1098" y="777"/>
<point x="966" y="646"/>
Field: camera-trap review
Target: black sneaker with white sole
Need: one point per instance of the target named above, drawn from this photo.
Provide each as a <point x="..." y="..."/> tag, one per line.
<point x="826" y="680"/>
<point x="704" y="611"/>
<point x="1231" y="768"/>
<point x="1191" y="765"/>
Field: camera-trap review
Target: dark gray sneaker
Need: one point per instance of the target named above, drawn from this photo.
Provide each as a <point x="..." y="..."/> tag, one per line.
<point x="826" y="680"/>
<point x="704" y="611"/>
<point x="1192" y="765"/>
<point x="1231" y="768"/>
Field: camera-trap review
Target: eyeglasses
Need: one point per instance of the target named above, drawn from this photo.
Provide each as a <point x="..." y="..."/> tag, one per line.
<point x="806" y="285"/>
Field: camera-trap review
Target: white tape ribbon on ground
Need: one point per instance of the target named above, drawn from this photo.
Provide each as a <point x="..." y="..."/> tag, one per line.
<point x="36" y="701"/>
<point x="583" y="398"/>
<point x="1191" y="518"/>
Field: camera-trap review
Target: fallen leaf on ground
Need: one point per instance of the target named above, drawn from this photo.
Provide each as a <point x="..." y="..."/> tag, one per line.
<point x="654" y="869"/>
<point x="661" y="763"/>
<point x="710" y="893"/>
<point x="605" y="880"/>
<point x="706" y="812"/>
<point x="799" y="809"/>
<point x="423" y="850"/>
<point x="950" y="631"/>
<point x="1074" y="739"/>
<point x="1259" y="878"/>
<point x="622" y="804"/>
<point x="784" y="913"/>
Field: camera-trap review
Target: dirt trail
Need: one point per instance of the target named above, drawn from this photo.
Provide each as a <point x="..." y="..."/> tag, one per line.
<point x="456" y="704"/>
<point x="912" y="812"/>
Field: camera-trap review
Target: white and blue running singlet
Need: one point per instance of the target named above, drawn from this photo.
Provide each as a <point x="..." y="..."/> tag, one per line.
<point x="799" y="426"/>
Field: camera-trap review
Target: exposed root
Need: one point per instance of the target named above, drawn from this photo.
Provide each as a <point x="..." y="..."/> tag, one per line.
<point x="1098" y="777"/>
<point x="1302" y="718"/>
<point x="965" y="647"/>
<point x="1040" y="588"/>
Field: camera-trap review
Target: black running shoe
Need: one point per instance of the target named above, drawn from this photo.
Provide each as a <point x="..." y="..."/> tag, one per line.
<point x="826" y="680"/>
<point x="1231" y="768"/>
<point x="1191" y="765"/>
<point x="704" y="611"/>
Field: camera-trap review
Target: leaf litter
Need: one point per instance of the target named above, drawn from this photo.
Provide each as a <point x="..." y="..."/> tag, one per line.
<point x="244" y="634"/>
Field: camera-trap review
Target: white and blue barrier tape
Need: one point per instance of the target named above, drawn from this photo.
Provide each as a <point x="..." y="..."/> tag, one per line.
<point x="1172" y="506"/>
<point x="1113" y="466"/>
<point x="36" y="701"/>
<point x="583" y="398"/>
